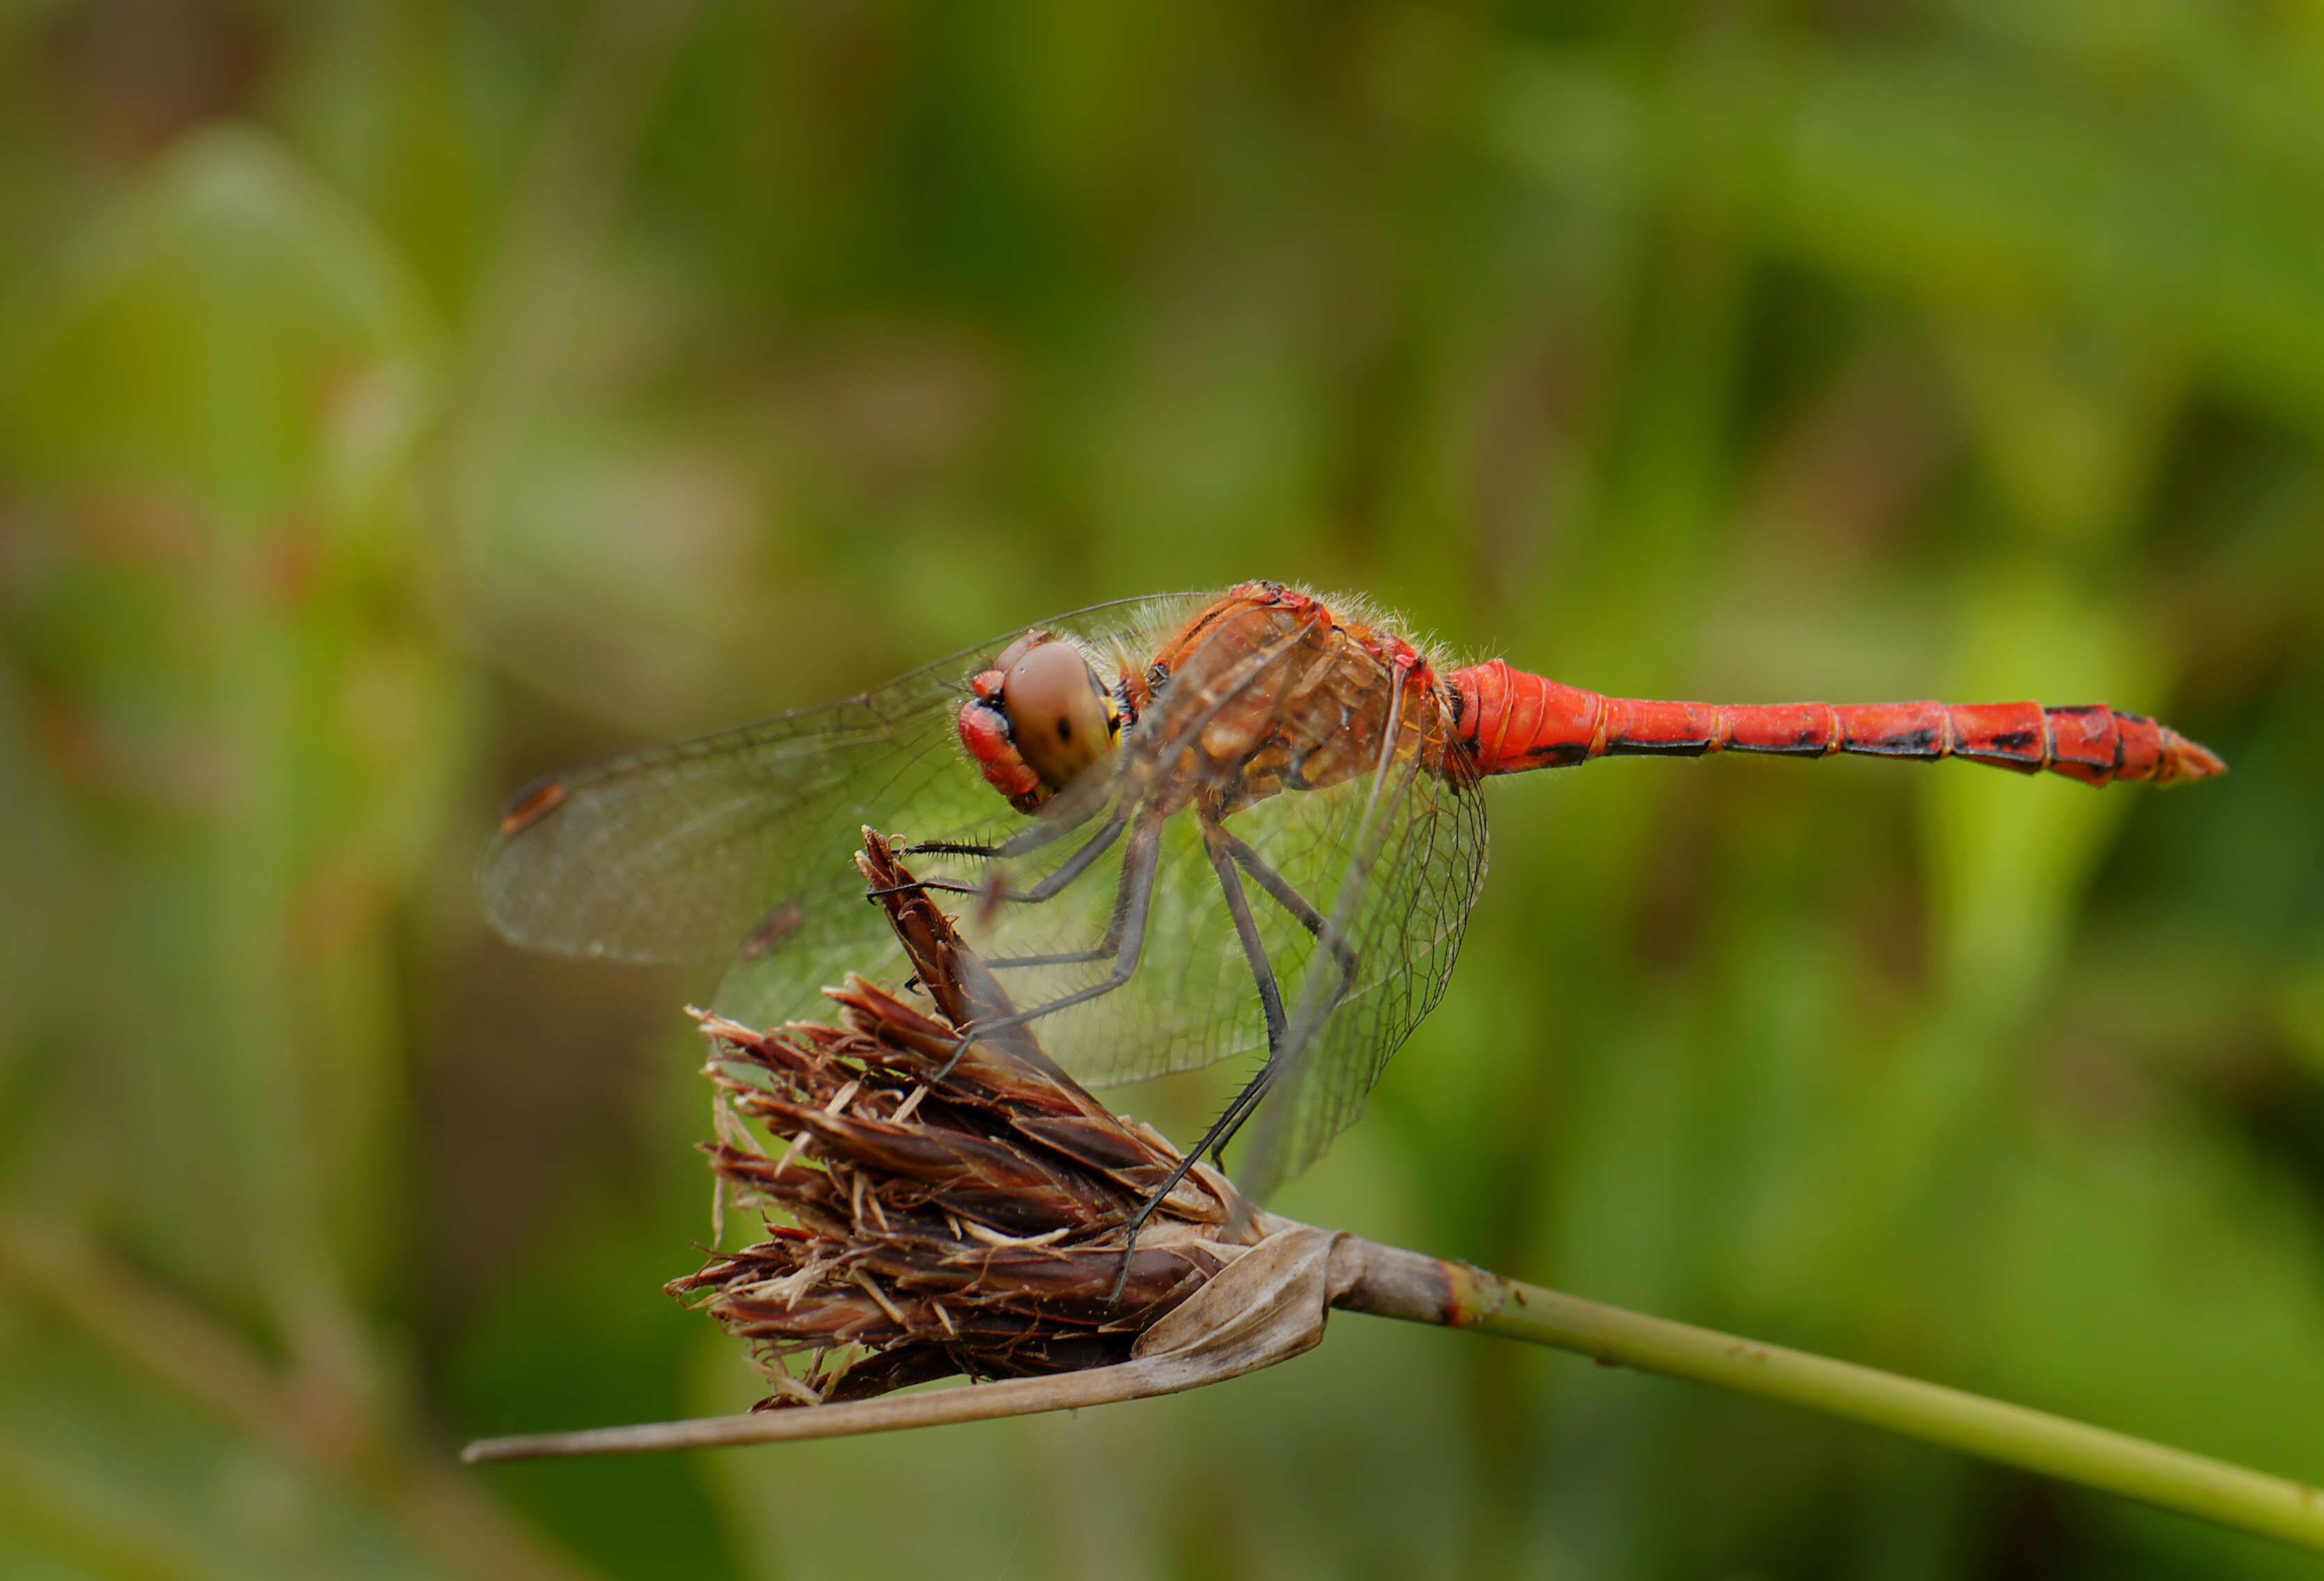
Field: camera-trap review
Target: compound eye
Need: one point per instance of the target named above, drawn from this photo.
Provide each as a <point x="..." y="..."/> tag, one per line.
<point x="1018" y="650"/>
<point x="1059" y="715"/>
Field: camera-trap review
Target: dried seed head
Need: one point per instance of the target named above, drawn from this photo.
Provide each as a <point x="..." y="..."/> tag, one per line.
<point x="924" y="1222"/>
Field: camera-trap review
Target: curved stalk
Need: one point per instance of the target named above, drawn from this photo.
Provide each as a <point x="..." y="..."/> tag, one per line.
<point x="2033" y="1440"/>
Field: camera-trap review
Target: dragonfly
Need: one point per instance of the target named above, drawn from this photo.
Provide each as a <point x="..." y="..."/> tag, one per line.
<point x="1184" y="828"/>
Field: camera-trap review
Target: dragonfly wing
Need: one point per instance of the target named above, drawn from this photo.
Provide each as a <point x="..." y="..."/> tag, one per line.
<point x="1406" y="878"/>
<point x="744" y="841"/>
<point x="678" y="852"/>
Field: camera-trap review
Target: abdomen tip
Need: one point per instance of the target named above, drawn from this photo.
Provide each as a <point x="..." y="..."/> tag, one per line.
<point x="2188" y="760"/>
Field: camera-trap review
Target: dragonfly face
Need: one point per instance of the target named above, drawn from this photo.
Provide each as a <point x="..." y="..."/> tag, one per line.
<point x="1040" y="718"/>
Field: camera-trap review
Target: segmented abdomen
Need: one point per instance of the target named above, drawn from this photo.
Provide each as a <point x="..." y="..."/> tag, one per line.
<point x="1513" y="721"/>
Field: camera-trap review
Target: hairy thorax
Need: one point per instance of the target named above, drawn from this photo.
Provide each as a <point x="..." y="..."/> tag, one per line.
<point x="1267" y="691"/>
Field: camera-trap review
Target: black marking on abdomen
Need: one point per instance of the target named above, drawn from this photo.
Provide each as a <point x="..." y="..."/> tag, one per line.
<point x="1558" y="754"/>
<point x="1694" y="748"/>
<point x="1921" y="743"/>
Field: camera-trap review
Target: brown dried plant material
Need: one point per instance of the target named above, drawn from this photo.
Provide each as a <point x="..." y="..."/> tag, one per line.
<point x="923" y="1223"/>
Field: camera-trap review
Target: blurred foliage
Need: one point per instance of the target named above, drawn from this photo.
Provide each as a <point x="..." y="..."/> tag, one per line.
<point x="397" y="400"/>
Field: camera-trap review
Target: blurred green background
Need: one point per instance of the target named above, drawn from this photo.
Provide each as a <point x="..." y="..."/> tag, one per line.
<point x="398" y="399"/>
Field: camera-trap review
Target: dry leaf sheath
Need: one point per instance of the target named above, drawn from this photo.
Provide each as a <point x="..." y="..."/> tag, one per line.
<point x="923" y="1223"/>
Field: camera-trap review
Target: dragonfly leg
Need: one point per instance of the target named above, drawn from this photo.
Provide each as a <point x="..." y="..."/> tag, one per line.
<point x="1045" y="831"/>
<point x="1217" y="844"/>
<point x="1132" y="903"/>
<point x="1226" y="854"/>
<point x="1072" y="868"/>
<point x="1074" y="865"/>
<point x="1065" y="872"/>
<point x="1212" y="1141"/>
<point x="1279" y="889"/>
<point x="1226" y="849"/>
<point x="1070" y="957"/>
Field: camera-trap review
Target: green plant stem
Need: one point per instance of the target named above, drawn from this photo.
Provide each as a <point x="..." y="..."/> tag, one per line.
<point x="2034" y="1441"/>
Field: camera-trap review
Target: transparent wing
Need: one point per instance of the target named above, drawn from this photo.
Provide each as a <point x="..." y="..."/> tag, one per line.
<point x="746" y="838"/>
<point x="1406" y="877"/>
<point x="677" y="852"/>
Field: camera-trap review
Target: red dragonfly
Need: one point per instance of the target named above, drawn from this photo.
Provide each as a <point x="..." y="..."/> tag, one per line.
<point x="1294" y="789"/>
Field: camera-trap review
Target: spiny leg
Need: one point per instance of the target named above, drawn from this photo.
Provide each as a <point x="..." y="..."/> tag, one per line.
<point x="1302" y="911"/>
<point x="1279" y="889"/>
<point x="1132" y="905"/>
<point x="1047" y="889"/>
<point x="1212" y="1141"/>
<point x="1063" y="874"/>
<point x="1227" y="853"/>
<point x="1061" y="822"/>
<point x="1043" y="831"/>
<point x="1072" y="868"/>
<point x="1215" y="845"/>
<point x="1068" y="958"/>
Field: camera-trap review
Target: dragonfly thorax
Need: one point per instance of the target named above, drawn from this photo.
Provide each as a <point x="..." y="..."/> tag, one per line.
<point x="1039" y="719"/>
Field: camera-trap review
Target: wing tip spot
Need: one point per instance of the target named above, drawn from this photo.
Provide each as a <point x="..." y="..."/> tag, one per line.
<point x="529" y="806"/>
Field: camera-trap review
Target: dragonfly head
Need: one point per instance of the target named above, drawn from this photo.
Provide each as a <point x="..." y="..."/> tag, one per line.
<point x="1039" y="719"/>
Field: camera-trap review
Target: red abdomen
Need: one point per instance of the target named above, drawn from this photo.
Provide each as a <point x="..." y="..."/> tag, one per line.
<point x="1512" y="721"/>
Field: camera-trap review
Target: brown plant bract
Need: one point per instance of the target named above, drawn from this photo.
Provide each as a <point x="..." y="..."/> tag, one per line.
<point x="972" y="1225"/>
